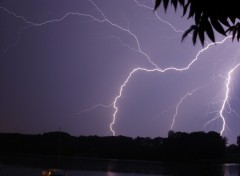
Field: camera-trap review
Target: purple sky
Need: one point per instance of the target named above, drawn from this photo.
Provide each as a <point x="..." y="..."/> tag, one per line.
<point x="61" y="60"/>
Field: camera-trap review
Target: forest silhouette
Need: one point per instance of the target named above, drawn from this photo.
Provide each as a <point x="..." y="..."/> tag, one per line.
<point x="178" y="146"/>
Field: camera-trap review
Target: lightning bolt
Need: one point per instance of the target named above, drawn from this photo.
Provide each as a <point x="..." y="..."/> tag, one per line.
<point x="155" y="70"/>
<point x="104" y="20"/>
<point x="138" y="49"/>
<point x="158" y="17"/>
<point x="179" y="104"/>
<point x="129" y="32"/>
<point x="225" y="101"/>
<point x="225" y="105"/>
<point x="122" y="43"/>
<point x="95" y="106"/>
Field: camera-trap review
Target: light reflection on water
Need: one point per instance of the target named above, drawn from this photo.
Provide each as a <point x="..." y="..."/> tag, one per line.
<point x="232" y="169"/>
<point x="27" y="171"/>
<point x="131" y="169"/>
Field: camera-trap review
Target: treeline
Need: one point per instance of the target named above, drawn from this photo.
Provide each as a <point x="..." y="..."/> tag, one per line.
<point x="178" y="146"/>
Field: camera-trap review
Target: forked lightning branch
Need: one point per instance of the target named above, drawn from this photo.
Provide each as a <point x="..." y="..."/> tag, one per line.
<point x="155" y="68"/>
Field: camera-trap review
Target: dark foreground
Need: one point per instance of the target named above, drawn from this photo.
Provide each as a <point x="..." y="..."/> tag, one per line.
<point x="29" y="166"/>
<point x="55" y="147"/>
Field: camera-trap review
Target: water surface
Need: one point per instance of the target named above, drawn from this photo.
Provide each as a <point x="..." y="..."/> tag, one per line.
<point x="133" y="168"/>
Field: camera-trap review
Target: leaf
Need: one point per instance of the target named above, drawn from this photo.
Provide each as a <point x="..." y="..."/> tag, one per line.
<point x="201" y="35"/>
<point x="182" y="2"/>
<point x="188" y="31"/>
<point x="197" y="17"/>
<point x="194" y="37"/>
<point x="192" y="11"/>
<point x="209" y="30"/>
<point x="157" y="4"/>
<point x="238" y="32"/>
<point x="175" y="3"/>
<point x="224" y="21"/>
<point x="230" y="29"/>
<point x="238" y="35"/>
<point x="165" y="4"/>
<point x="232" y="19"/>
<point x="185" y="8"/>
<point x="217" y="26"/>
<point x="234" y="32"/>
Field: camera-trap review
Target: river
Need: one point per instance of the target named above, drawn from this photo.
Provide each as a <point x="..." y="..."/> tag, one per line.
<point x="133" y="168"/>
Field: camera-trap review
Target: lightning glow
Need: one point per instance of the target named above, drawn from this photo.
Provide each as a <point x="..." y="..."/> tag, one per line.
<point x="104" y="20"/>
<point x="225" y="101"/>
<point x="123" y="44"/>
<point x="158" y="17"/>
<point x="179" y="104"/>
<point x="96" y="106"/>
<point x="134" y="71"/>
<point x="155" y="70"/>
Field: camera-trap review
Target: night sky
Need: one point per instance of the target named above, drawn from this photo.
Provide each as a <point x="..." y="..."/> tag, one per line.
<point x="69" y="65"/>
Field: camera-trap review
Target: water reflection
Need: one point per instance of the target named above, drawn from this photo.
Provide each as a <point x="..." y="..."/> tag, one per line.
<point x="231" y="169"/>
<point x="132" y="168"/>
<point x="198" y="170"/>
<point x="180" y="169"/>
<point x="109" y="173"/>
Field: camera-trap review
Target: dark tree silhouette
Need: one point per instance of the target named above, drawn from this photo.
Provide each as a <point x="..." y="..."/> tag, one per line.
<point x="238" y="141"/>
<point x="193" y="146"/>
<point x="218" y="15"/>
